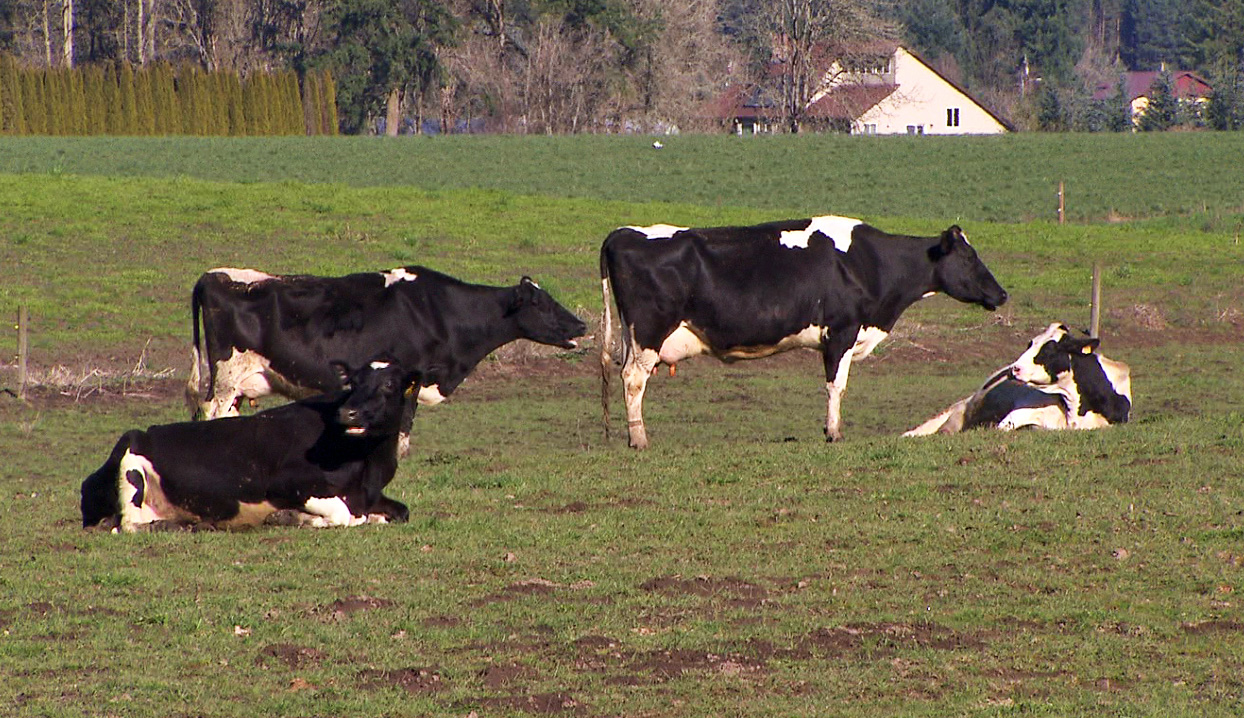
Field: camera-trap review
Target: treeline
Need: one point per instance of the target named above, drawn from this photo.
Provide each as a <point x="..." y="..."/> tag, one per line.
<point x="116" y="98"/>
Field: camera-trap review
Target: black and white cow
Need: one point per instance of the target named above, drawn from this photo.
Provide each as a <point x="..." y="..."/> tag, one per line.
<point x="268" y="334"/>
<point x="829" y="283"/>
<point x="329" y="456"/>
<point x="1059" y="382"/>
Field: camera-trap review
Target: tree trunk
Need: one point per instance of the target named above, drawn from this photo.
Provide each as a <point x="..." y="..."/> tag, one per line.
<point x="394" y="114"/>
<point x="67" y="17"/>
<point x="47" y="32"/>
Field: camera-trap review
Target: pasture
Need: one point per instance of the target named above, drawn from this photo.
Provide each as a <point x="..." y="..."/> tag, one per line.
<point x="739" y="567"/>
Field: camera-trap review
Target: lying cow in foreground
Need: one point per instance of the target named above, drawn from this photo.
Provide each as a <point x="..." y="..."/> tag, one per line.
<point x="329" y="456"/>
<point x="268" y="334"/>
<point x="1060" y="382"/>
<point x="828" y="283"/>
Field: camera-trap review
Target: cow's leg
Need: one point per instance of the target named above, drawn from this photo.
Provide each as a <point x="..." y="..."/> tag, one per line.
<point x="1046" y="417"/>
<point x="387" y="510"/>
<point x="331" y="511"/>
<point x="636" y="368"/>
<point x="836" y="352"/>
<point x="242" y="374"/>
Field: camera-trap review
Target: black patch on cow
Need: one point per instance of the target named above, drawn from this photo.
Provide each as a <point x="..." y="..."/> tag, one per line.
<point x="1097" y="394"/>
<point x="135" y="477"/>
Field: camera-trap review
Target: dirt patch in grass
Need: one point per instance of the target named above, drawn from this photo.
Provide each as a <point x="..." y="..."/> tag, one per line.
<point x="733" y="590"/>
<point x="294" y="657"/>
<point x="411" y="680"/>
<point x="539" y="703"/>
<point x="343" y="607"/>
<point x="496" y="676"/>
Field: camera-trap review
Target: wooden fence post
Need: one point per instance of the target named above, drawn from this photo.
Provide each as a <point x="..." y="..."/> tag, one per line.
<point x="1062" y="203"/>
<point x="1095" y="304"/>
<point x="22" y="321"/>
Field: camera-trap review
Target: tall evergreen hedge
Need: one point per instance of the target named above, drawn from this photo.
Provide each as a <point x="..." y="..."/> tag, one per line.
<point x="159" y="99"/>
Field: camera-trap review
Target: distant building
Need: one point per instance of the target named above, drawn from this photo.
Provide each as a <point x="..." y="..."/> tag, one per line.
<point x="1189" y="89"/>
<point x="892" y="92"/>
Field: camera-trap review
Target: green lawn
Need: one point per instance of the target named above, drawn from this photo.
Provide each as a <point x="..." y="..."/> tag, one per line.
<point x="740" y="567"/>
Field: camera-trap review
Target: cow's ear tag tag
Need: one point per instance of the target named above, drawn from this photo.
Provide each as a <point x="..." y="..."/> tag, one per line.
<point x="1086" y="349"/>
<point x="410" y="390"/>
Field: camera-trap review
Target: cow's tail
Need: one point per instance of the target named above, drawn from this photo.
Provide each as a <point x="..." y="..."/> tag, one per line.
<point x="193" y="395"/>
<point x="606" y="340"/>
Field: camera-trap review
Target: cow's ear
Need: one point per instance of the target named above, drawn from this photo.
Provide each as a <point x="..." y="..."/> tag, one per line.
<point x="1090" y="346"/>
<point x="948" y="239"/>
<point x="343" y="373"/>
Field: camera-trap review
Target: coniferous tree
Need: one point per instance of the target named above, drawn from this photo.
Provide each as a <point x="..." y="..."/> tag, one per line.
<point x="129" y="106"/>
<point x="34" y="104"/>
<point x="55" y="99"/>
<point x="1225" y="110"/>
<point x="311" y="102"/>
<point x="236" y="114"/>
<point x="95" y="108"/>
<point x="1162" y="112"/>
<point x="329" y="120"/>
<point x="113" y="114"/>
<point x="145" y="115"/>
<point x="1119" y="112"/>
<point x="12" y="112"/>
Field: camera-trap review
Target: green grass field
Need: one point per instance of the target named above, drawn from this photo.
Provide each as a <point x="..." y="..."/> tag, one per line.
<point x="741" y="566"/>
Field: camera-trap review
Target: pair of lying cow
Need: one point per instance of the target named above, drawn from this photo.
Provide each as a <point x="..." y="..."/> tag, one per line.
<point x="830" y="283"/>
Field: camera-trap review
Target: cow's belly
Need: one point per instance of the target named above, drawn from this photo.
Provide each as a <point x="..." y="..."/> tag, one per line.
<point x="810" y="337"/>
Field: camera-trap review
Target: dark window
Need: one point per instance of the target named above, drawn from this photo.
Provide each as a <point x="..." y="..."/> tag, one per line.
<point x="952" y="117"/>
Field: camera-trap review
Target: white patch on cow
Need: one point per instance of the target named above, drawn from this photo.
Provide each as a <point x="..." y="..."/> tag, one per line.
<point x="867" y="341"/>
<point x="242" y="276"/>
<point x="838" y="229"/>
<point x="400" y="274"/>
<point x="244" y="373"/>
<point x="430" y="395"/>
<point x="1025" y="368"/>
<point x="680" y="344"/>
<point x="154" y="506"/>
<point x="379" y="365"/>
<point x="331" y="511"/>
<point x="658" y="231"/>
<point x="1046" y="417"/>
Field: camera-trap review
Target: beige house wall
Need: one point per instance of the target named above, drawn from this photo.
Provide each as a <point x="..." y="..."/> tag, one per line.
<point x="923" y="103"/>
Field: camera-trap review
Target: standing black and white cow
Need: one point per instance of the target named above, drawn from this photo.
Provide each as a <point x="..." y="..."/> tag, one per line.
<point x="268" y="334"/>
<point x="1060" y="382"/>
<point x="329" y="456"/>
<point x="829" y="283"/>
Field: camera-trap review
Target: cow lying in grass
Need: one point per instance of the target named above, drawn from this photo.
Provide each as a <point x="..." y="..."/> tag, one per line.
<point x="328" y="456"/>
<point x="1060" y="382"/>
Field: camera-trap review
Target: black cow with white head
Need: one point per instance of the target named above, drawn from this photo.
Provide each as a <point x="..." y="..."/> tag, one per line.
<point x="329" y="456"/>
<point x="833" y="284"/>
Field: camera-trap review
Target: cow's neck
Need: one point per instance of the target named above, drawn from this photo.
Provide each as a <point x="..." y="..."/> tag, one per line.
<point x="486" y="328"/>
<point x="898" y="272"/>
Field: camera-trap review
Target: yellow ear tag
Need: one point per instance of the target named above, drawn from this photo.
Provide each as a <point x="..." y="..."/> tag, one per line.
<point x="410" y="390"/>
<point x="1086" y="349"/>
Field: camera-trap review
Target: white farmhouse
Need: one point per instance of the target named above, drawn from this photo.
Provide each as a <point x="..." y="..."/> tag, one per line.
<point x="888" y="93"/>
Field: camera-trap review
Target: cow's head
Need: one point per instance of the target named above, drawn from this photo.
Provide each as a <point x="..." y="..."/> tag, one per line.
<point x="1049" y="355"/>
<point x="541" y="319"/>
<point x="961" y="274"/>
<point x="375" y="396"/>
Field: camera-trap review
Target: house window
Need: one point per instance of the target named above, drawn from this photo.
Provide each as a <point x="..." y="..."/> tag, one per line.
<point x="952" y="117"/>
<point x="870" y="129"/>
<point x="915" y="129"/>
